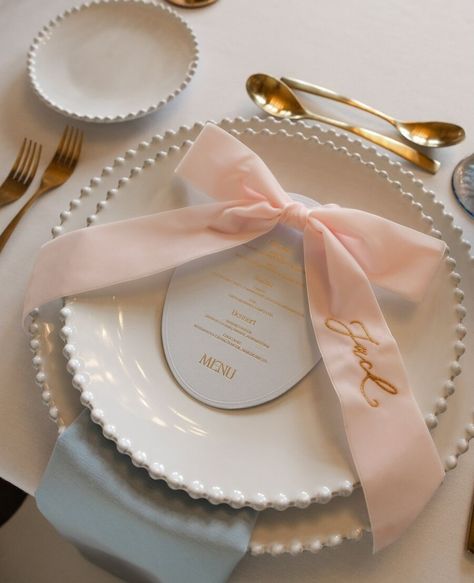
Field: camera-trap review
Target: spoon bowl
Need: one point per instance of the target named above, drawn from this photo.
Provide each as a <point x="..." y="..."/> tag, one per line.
<point x="431" y="134"/>
<point x="274" y="97"/>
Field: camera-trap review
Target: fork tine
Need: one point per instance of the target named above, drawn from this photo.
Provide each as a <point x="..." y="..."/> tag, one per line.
<point x="70" y="147"/>
<point x="60" y="148"/>
<point x="26" y="162"/>
<point x="17" y="161"/>
<point x="67" y="145"/>
<point x="75" y="149"/>
<point x="34" y="167"/>
<point x="26" y="170"/>
<point x="23" y="161"/>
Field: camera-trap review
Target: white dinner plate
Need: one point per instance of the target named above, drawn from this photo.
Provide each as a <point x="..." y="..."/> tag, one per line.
<point x="112" y="60"/>
<point x="294" y="530"/>
<point x="116" y="354"/>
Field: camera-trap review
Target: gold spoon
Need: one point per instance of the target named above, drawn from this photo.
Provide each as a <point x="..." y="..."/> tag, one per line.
<point x="191" y="3"/>
<point x="431" y="134"/>
<point x="276" y="98"/>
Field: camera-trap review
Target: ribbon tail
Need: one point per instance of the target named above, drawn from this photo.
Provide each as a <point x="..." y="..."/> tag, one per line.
<point x="395" y="457"/>
<point x="102" y="256"/>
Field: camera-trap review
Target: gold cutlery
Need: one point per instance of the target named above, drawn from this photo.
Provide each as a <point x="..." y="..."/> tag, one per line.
<point x="22" y="172"/>
<point x="60" y="168"/>
<point x="191" y="3"/>
<point x="470" y="532"/>
<point x="277" y="99"/>
<point x="431" y="134"/>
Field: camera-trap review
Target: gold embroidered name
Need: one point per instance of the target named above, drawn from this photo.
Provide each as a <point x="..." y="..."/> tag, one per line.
<point x="358" y="333"/>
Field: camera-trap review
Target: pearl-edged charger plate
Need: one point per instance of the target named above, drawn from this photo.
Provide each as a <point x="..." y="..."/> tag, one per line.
<point x="294" y="530"/>
<point x="117" y="360"/>
<point x="112" y="60"/>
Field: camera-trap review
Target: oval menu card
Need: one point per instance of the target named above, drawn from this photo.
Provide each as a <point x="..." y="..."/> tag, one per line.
<point x="236" y="328"/>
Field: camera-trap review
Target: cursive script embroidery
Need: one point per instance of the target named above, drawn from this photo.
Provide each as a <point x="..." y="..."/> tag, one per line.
<point x="357" y="332"/>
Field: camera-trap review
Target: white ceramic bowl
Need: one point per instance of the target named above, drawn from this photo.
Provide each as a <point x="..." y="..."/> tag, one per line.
<point x="112" y="60"/>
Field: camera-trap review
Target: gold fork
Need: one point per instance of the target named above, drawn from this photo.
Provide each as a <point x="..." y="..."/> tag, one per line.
<point x="22" y="173"/>
<point x="57" y="172"/>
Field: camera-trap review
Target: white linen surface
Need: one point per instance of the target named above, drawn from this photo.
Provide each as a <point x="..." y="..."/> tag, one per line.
<point x="409" y="59"/>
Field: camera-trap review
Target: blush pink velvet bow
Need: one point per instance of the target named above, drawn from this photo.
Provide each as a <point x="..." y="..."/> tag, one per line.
<point x="344" y="250"/>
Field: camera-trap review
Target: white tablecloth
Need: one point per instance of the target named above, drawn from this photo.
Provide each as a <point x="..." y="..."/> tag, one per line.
<point x="413" y="60"/>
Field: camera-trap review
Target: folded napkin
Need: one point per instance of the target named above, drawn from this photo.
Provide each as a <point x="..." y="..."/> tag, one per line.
<point x="136" y="528"/>
<point x="345" y="250"/>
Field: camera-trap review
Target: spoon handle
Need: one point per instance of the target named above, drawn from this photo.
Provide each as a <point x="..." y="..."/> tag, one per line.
<point x="390" y="144"/>
<point x="322" y="92"/>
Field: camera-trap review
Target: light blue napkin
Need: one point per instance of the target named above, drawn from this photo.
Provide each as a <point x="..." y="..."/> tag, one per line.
<point x="130" y="525"/>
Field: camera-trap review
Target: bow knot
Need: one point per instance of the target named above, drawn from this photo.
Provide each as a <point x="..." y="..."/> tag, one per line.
<point x="295" y="214"/>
